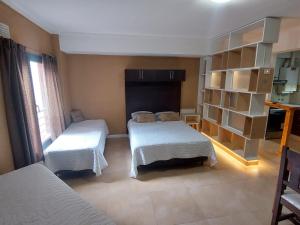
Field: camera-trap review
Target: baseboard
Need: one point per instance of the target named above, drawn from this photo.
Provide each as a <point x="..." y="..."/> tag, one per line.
<point x="117" y="136"/>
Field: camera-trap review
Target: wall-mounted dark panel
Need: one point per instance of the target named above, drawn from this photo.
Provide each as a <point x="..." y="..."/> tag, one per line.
<point x="152" y="96"/>
<point x="145" y="75"/>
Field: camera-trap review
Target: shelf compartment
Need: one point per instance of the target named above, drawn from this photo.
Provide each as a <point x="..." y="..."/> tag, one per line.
<point x="224" y="60"/>
<point x="265" y="30"/>
<point x="250" y="80"/>
<point x="262" y="81"/>
<point x="208" y="96"/>
<point x="249" y="34"/>
<point x="248" y="57"/>
<point x="214" y="114"/>
<point x="236" y="121"/>
<point x="255" y="127"/>
<point x="236" y="101"/>
<point x="219" y="61"/>
<point x="234" y="58"/>
<point x="255" y="55"/>
<point x="232" y="141"/>
<point x="248" y="127"/>
<point x="217" y="80"/>
<point x="212" y="97"/>
<point x="210" y="129"/>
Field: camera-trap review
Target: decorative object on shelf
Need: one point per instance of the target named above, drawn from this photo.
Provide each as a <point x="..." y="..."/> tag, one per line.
<point x="237" y="78"/>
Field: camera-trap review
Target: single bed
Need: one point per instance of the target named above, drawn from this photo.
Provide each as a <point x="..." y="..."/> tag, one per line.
<point x="79" y="147"/>
<point x="157" y="141"/>
<point x="35" y="196"/>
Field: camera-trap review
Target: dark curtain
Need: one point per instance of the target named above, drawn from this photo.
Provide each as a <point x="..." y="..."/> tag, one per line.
<point x="55" y="109"/>
<point x="20" y="104"/>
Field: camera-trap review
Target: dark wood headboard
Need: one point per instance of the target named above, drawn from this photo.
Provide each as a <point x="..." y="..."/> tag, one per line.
<point x="153" y="90"/>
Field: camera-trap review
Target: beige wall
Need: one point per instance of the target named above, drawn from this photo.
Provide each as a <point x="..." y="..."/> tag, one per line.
<point x="25" y="32"/>
<point x="97" y="84"/>
<point x="36" y="40"/>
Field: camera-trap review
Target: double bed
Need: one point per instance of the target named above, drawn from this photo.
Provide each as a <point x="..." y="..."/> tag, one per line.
<point x="35" y="196"/>
<point x="155" y="141"/>
<point x="161" y="141"/>
<point x="79" y="147"/>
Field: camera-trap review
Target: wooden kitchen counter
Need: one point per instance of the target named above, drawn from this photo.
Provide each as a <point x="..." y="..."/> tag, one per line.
<point x="288" y="121"/>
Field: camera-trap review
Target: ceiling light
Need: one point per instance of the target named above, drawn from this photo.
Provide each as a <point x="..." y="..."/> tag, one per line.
<point x="220" y="1"/>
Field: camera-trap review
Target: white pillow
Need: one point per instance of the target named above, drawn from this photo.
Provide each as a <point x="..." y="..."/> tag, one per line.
<point x="145" y="118"/>
<point x="134" y="115"/>
<point x="76" y="116"/>
<point x="158" y="113"/>
<point x="168" y="116"/>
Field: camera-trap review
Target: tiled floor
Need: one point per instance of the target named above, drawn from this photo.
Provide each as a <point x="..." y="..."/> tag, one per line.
<point x="229" y="194"/>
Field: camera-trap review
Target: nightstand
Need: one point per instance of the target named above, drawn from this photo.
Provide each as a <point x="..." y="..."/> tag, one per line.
<point x="193" y="120"/>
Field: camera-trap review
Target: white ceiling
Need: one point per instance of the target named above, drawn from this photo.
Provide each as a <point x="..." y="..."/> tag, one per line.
<point x="179" y="19"/>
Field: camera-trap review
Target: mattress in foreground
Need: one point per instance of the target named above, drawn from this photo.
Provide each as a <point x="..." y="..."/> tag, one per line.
<point x="35" y="196"/>
<point x="79" y="147"/>
<point x="151" y="142"/>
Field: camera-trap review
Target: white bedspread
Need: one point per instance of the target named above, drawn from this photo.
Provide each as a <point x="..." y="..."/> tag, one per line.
<point x="79" y="147"/>
<point x="35" y="196"/>
<point x="157" y="141"/>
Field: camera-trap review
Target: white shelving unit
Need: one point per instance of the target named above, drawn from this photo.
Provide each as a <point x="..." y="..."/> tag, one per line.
<point x="237" y="79"/>
<point x="205" y="66"/>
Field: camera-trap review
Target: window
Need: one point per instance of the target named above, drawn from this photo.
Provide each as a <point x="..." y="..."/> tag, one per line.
<point x="40" y="94"/>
